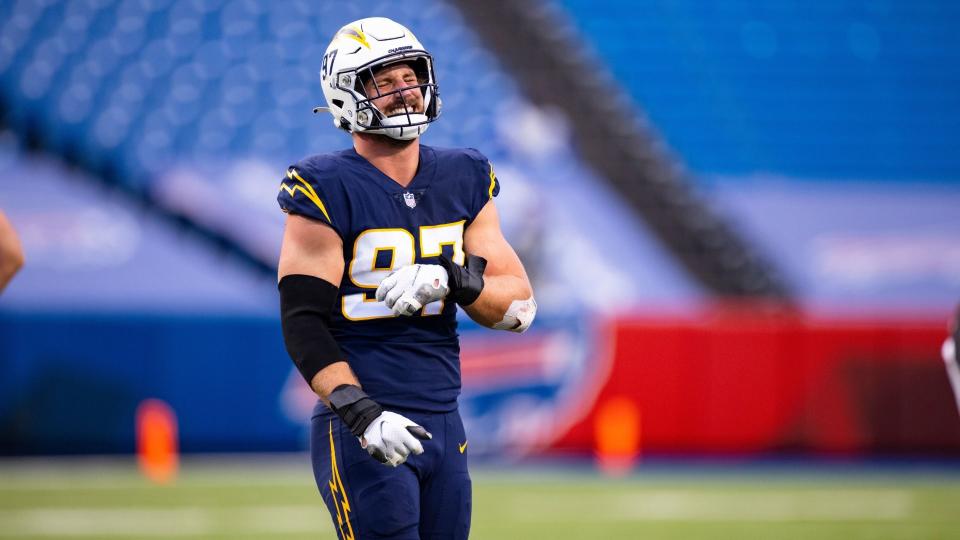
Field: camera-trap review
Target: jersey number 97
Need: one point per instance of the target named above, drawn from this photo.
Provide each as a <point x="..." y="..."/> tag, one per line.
<point x="365" y="273"/>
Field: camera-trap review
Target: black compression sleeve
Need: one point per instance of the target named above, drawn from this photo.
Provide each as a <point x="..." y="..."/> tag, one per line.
<point x="305" y="306"/>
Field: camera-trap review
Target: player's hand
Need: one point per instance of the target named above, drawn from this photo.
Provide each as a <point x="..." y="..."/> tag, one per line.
<point x="391" y="438"/>
<point x="408" y="289"/>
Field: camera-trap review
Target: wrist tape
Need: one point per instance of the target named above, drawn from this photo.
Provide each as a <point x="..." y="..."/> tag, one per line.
<point x="465" y="282"/>
<point x="354" y="407"/>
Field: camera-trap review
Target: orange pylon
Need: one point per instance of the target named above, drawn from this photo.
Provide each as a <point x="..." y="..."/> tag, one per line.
<point x="158" y="452"/>
<point x="617" y="435"/>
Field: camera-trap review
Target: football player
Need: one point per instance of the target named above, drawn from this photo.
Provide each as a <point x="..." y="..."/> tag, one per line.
<point x="382" y="242"/>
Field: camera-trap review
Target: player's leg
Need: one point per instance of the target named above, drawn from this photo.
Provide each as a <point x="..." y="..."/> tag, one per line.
<point x="366" y="499"/>
<point x="446" y="495"/>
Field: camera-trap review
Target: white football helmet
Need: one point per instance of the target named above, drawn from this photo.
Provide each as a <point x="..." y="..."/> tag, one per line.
<point x="357" y="51"/>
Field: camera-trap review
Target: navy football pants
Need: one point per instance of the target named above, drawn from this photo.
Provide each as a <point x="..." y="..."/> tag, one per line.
<point x="428" y="497"/>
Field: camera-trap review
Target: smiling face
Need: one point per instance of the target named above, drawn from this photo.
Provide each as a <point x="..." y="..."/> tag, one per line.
<point x="391" y="79"/>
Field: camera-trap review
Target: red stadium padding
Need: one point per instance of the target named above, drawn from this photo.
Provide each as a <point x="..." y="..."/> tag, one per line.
<point x="747" y="381"/>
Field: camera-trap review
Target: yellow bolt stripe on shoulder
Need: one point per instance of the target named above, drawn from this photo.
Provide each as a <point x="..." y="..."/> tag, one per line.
<point x="306" y="189"/>
<point x="493" y="180"/>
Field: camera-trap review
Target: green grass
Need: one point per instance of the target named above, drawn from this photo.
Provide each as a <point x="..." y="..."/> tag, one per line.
<point x="275" y="498"/>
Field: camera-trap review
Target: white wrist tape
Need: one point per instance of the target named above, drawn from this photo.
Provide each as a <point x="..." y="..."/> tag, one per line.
<point x="519" y="316"/>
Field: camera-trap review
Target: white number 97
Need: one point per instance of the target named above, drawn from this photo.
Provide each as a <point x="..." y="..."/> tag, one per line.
<point x="369" y="250"/>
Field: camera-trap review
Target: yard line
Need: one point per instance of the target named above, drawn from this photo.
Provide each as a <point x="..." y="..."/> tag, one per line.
<point x="167" y="522"/>
<point x="762" y="505"/>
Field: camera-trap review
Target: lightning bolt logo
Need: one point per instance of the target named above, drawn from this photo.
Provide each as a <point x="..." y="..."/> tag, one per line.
<point x="355" y="34"/>
<point x="493" y="180"/>
<point x="339" y="494"/>
<point x="305" y="188"/>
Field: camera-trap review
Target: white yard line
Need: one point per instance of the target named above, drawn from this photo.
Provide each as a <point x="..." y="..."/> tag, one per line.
<point x="763" y="505"/>
<point x="168" y="522"/>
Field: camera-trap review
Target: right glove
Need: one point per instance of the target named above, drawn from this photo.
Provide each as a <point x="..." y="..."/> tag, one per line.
<point x="408" y="289"/>
<point x="387" y="436"/>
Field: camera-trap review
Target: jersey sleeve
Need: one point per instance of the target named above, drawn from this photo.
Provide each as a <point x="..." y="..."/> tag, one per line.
<point x="484" y="182"/>
<point x="312" y="191"/>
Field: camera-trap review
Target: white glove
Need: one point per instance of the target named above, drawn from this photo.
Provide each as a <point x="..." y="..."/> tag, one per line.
<point x="408" y="289"/>
<point x="390" y="438"/>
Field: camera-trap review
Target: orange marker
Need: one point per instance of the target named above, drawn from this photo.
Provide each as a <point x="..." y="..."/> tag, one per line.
<point x="157" y="445"/>
<point x="617" y="435"/>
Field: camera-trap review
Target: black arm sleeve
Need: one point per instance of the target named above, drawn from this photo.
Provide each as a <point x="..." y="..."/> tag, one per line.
<point x="305" y="306"/>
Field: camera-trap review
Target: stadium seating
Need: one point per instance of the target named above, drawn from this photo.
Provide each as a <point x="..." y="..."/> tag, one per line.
<point x="89" y="251"/>
<point x="820" y="89"/>
<point x="156" y="82"/>
<point x="184" y="102"/>
<point x="823" y="130"/>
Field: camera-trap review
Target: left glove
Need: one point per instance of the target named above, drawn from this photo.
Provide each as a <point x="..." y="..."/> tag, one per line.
<point x="408" y="289"/>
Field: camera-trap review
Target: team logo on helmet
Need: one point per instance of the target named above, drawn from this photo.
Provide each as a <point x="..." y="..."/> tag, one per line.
<point x="354" y="34"/>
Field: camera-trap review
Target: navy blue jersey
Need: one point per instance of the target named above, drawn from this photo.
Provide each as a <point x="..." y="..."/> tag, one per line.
<point x="402" y="362"/>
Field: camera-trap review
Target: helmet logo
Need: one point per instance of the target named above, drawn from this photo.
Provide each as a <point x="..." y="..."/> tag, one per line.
<point x="354" y="34"/>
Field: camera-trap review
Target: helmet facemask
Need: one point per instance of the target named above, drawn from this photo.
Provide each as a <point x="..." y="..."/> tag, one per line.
<point x="407" y="124"/>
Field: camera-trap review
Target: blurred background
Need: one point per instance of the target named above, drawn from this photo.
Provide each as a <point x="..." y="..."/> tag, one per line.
<point x="740" y="218"/>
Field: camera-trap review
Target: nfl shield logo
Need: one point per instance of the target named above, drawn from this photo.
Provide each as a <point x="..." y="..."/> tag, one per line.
<point x="410" y="199"/>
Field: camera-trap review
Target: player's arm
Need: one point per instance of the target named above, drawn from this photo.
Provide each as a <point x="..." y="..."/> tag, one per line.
<point x="310" y="267"/>
<point x="309" y="271"/>
<point x="491" y="286"/>
<point x="506" y="297"/>
<point x="11" y="253"/>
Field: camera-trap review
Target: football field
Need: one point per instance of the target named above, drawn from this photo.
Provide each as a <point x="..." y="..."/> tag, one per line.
<point x="274" y="498"/>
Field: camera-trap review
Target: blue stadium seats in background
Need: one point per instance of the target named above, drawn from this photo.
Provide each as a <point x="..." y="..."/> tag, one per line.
<point x="153" y="83"/>
<point x="821" y="89"/>
<point x="201" y="105"/>
<point x="826" y="132"/>
<point x="89" y="251"/>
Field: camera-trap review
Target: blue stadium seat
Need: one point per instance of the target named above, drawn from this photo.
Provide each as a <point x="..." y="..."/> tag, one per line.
<point x="814" y="89"/>
<point x="156" y="91"/>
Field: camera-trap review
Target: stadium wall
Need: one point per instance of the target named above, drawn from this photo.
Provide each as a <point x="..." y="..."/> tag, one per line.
<point x="742" y="381"/>
<point x="729" y="381"/>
